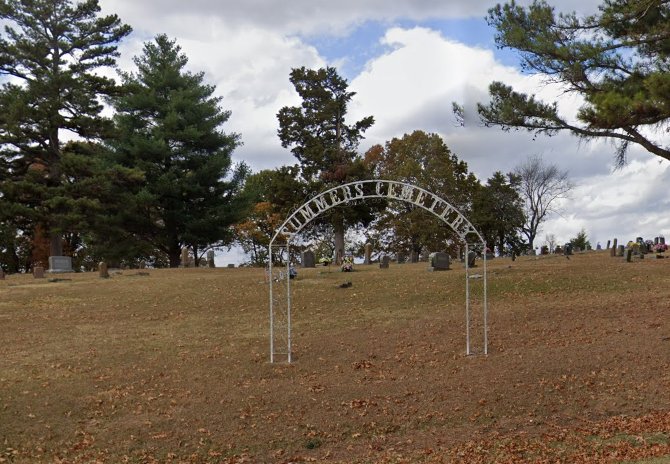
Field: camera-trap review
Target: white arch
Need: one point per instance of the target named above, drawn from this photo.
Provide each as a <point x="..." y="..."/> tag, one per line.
<point x="360" y="190"/>
<point x="364" y="189"/>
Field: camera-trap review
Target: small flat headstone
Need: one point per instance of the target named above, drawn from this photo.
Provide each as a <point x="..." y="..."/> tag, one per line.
<point x="38" y="272"/>
<point x="102" y="270"/>
<point x="439" y="261"/>
<point x="308" y="259"/>
<point x="231" y="265"/>
<point x="384" y="262"/>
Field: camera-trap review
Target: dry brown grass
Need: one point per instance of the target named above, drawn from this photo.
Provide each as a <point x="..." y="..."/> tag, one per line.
<point x="173" y="366"/>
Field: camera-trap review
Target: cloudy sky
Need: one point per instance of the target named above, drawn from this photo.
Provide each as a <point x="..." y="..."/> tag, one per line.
<point x="407" y="60"/>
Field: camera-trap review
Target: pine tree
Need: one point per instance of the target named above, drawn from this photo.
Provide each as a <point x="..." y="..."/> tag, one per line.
<point x="51" y="50"/>
<point x="168" y="126"/>
<point x="320" y="139"/>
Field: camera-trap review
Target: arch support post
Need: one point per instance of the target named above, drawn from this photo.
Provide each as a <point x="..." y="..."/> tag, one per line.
<point x="279" y="280"/>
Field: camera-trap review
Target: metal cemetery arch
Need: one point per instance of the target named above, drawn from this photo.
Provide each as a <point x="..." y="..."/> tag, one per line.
<point x="280" y="308"/>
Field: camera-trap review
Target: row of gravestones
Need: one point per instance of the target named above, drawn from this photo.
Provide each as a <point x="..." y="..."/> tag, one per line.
<point x="188" y="261"/>
<point x="628" y="252"/>
<point x="438" y="261"/>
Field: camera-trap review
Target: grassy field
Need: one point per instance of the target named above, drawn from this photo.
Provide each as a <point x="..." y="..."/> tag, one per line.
<point x="172" y="366"/>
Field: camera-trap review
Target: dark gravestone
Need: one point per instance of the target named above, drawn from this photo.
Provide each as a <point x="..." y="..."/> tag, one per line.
<point x="608" y="244"/>
<point x="567" y="249"/>
<point x="613" y="249"/>
<point x="401" y="258"/>
<point x="414" y="257"/>
<point x="629" y="254"/>
<point x="308" y="259"/>
<point x="661" y="240"/>
<point x="384" y="261"/>
<point x="544" y="250"/>
<point x="38" y="272"/>
<point x="231" y="266"/>
<point x="102" y="270"/>
<point x="438" y="261"/>
<point x="472" y="256"/>
<point x="619" y="250"/>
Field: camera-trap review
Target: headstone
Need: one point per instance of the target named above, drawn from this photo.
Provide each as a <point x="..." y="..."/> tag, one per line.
<point x="619" y="250"/>
<point x="613" y="249"/>
<point x="38" y="272"/>
<point x="661" y="240"/>
<point x="384" y="261"/>
<point x="608" y="244"/>
<point x="544" y="250"/>
<point x="143" y="264"/>
<point x="489" y="256"/>
<point x="2" y="274"/>
<point x="567" y="249"/>
<point x="558" y="250"/>
<point x="231" y="265"/>
<point x="368" y="254"/>
<point x="414" y="257"/>
<point x="102" y="270"/>
<point x="656" y="240"/>
<point x="308" y="259"/>
<point x="184" y="257"/>
<point x="628" y="254"/>
<point x="598" y="247"/>
<point x="210" y="259"/>
<point x="425" y="256"/>
<point x="401" y="258"/>
<point x="439" y="261"/>
<point x="472" y="256"/>
<point x="60" y="264"/>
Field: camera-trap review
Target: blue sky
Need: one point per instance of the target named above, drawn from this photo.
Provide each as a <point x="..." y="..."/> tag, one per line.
<point x="362" y="44"/>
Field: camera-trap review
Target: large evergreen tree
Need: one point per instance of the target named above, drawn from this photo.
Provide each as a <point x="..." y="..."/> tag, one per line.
<point x="169" y="127"/>
<point x="51" y="52"/>
<point x="321" y="140"/>
<point x="617" y="60"/>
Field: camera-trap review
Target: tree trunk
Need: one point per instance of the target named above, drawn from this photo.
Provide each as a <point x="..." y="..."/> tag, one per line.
<point x="338" y="226"/>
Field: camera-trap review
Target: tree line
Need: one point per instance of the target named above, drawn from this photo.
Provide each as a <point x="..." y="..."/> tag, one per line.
<point x="157" y="174"/>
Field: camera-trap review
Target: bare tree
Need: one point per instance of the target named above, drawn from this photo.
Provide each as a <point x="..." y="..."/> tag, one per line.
<point x="541" y="186"/>
<point x="551" y="242"/>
